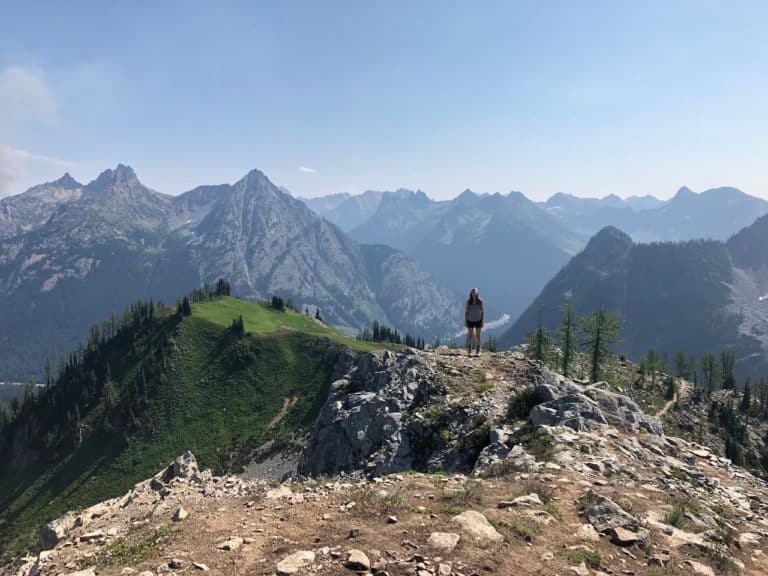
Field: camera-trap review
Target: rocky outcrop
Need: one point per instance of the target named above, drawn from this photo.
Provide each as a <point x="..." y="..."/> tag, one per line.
<point x="393" y="412"/>
<point x="364" y="425"/>
<point x="565" y="403"/>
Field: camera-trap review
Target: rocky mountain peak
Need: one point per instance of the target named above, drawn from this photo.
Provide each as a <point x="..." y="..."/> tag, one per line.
<point x="121" y="175"/>
<point x="67" y="182"/>
<point x="684" y="193"/>
<point x="609" y="235"/>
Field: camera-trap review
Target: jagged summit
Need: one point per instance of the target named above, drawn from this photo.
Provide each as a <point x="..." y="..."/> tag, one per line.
<point x="684" y="192"/>
<point x="67" y="182"/>
<point x="121" y="175"/>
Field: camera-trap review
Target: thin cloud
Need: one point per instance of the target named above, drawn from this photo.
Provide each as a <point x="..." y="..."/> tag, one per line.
<point x="14" y="163"/>
<point x="307" y="170"/>
<point x="26" y="98"/>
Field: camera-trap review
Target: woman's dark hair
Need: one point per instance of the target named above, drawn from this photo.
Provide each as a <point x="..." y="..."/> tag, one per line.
<point x="477" y="296"/>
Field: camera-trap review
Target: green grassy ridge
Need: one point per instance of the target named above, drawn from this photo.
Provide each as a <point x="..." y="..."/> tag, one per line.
<point x="216" y="398"/>
<point x="260" y="319"/>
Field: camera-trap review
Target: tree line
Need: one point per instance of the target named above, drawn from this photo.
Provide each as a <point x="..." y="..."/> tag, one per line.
<point x="593" y="335"/>
<point x="381" y="333"/>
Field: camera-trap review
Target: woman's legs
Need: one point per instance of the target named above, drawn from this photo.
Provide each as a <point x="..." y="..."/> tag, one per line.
<point x="478" y="340"/>
<point x="469" y="339"/>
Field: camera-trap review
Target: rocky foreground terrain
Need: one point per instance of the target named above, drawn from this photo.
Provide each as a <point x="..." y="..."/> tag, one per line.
<point x="521" y="471"/>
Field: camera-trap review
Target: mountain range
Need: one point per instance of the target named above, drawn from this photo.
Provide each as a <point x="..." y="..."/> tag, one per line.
<point x="73" y="254"/>
<point x="696" y="296"/>
<point x="509" y="246"/>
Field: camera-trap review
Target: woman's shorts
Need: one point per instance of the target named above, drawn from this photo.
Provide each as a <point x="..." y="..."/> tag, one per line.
<point x="478" y="324"/>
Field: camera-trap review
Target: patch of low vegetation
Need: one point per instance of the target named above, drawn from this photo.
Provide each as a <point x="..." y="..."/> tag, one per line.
<point x="542" y="447"/>
<point x="592" y="558"/>
<point x="675" y="517"/>
<point x="127" y="552"/>
<point x="514" y="529"/>
<point x="586" y="501"/>
<point x="716" y="558"/>
<point x="469" y="493"/>
<point x="384" y="502"/>
<point x="521" y="404"/>
<point x="480" y="383"/>
<point x="553" y="510"/>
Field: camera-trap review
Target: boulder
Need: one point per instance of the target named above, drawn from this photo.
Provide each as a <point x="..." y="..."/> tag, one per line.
<point x="623" y="537"/>
<point x="56" y="530"/>
<point x="604" y="514"/>
<point x="293" y="563"/>
<point x="443" y="540"/>
<point x="357" y="561"/>
<point x="477" y="526"/>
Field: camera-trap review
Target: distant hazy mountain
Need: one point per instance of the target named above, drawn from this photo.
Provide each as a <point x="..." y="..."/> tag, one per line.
<point x="714" y="214"/>
<point x="695" y="296"/>
<point x="504" y="245"/>
<point x="473" y="240"/>
<point x="509" y="246"/>
<point x="646" y="202"/>
<point x="119" y="240"/>
<point x="24" y="212"/>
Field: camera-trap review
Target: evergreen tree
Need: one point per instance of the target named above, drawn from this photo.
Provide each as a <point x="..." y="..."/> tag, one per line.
<point x="222" y="288"/>
<point x="76" y="430"/>
<point x="728" y="363"/>
<point x="710" y="369"/>
<point x="277" y="303"/>
<point x="567" y="338"/>
<point x="601" y="330"/>
<point x="490" y="344"/>
<point x="186" y="307"/>
<point x="539" y="345"/>
<point x="238" y="326"/>
<point x="746" y="399"/>
<point x="680" y="360"/>
<point x="3" y="417"/>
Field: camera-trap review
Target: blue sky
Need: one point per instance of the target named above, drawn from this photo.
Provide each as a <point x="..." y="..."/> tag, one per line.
<point x="589" y="98"/>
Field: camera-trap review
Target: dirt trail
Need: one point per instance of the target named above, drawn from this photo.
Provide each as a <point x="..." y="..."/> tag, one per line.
<point x="287" y="405"/>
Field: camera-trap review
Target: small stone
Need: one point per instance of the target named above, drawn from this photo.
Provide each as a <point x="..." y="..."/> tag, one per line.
<point x="357" y="561"/>
<point x="392" y="520"/>
<point x="699" y="568"/>
<point x="91" y="536"/>
<point x="623" y="537"/>
<point x="547" y="557"/>
<point x="201" y="566"/>
<point x="181" y="514"/>
<point x="176" y="564"/>
<point x="443" y="540"/>
<point x="231" y="545"/>
<point x="444" y="570"/>
<point x="354" y="533"/>
<point x="588" y="532"/>
<point x="580" y="570"/>
<point x="295" y="562"/>
<point x="86" y="572"/>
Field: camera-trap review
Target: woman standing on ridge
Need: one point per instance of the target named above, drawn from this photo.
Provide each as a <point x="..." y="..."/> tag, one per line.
<point x="474" y="314"/>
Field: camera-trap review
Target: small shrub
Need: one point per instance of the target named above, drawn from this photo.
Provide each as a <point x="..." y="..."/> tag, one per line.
<point x="542" y="447"/>
<point x="676" y="517"/>
<point x="586" y="501"/>
<point x="553" y="510"/>
<point x="470" y="493"/>
<point x="592" y="558"/>
<point x="521" y="404"/>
